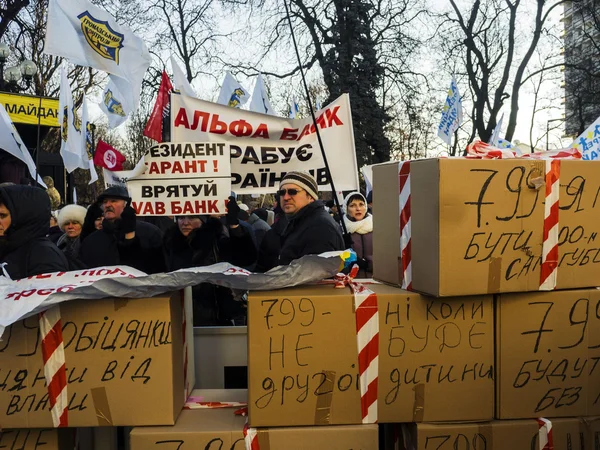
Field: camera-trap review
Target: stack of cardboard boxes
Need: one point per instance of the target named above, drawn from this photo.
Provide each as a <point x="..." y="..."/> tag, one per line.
<point x="124" y="363"/>
<point x="477" y="231"/>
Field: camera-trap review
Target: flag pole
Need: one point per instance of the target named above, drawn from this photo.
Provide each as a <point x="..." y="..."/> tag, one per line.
<point x="347" y="237"/>
<point x="37" y="144"/>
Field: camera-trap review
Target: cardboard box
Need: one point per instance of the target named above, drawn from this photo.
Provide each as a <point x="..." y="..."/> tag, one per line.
<point x="124" y="362"/>
<point x="477" y="225"/>
<point x="548" y="350"/>
<point x="435" y="357"/>
<point x="568" y="434"/>
<point x="222" y="429"/>
<point x="37" y="439"/>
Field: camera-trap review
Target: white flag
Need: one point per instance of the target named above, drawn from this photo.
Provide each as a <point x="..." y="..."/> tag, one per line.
<point x="11" y="142"/>
<point x="232" y="93"/>
<point x="260" y="100"/>
<point x="87" y="143"/>
<point x="589" y="142"/>
<point x="294" y="109"/>
<point x="180" y="81"/>
<point x="115" y="105"/>
<point x="89" y="36"/>
<point x="70" y="127"/>
<point x="451" y="114"/>
<point x="494" y="139"/>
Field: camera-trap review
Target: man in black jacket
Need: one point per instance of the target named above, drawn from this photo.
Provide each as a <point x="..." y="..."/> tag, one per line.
<point x="123" y="239"/>
<point x="24" y="223"/>
<point x="310" y="229"/>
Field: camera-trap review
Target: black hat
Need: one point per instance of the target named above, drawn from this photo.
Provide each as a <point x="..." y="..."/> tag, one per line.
<point x="115" y="192"/>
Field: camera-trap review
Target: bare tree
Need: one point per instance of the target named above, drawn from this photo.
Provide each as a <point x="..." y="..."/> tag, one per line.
<point x="9" y="9"/>
<point x="488" y="38"/>
<point x="354" y="44"/>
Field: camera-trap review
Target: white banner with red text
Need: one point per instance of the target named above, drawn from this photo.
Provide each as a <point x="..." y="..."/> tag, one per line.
<point x="264" y="147"/>
<point x="22" y="298"/>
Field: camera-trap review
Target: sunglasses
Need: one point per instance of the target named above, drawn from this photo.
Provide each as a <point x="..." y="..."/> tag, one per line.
<point x="292" y="191"/>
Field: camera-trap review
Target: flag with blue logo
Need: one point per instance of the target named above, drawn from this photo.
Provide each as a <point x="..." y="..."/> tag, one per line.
<point x="232" y="93"/>
<point x="70" y="127"/>
<point x="451" y="114"/>
<point x="496" y="132"/>
<point x="260" y="99"/>
<point x="88" y="36"/>
<point x="589" y="142"/>
<point x="294" y="109"/>
<point x="87" y="143"/>
<point x="114" y="104"/>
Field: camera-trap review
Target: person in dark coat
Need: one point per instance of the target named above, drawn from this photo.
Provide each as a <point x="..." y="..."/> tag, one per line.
<point x="310" y="229"/>
<point x="199" y="241"/>
<point x="260" y="226"/>
<point x="123" y="240"/>
<point x="24" y="223"/>
<point x="55" y="233"/>
<point x="359" y="224"/>
<point x="70" y="220"/>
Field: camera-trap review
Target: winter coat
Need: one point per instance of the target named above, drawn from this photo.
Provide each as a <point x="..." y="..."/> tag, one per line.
<point x="24" y="249"/>
<point x="71" y="248"/>
<point x="260" y="228"/>
<point x="362" y="244"/>
<point x="210" y="244"/>
<point x="108" y="247"/>
<point x="268" y="253"/>
<point x="310" y="231"/>
<point x="55" y="233"/>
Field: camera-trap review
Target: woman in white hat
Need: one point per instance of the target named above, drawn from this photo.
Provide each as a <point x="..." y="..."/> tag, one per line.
<point x="70" y="221"/>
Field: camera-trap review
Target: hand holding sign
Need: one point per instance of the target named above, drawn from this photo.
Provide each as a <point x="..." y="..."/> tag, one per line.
<point x="233" y="211"/>
<point x="128" y="220"/>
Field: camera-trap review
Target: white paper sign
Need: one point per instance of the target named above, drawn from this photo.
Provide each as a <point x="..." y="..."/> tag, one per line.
<point x="186" y="178"/>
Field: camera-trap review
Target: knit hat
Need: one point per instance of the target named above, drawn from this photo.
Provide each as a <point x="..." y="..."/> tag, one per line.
<point x="353" y="196"/>
<point x="71" y="213"/>
<point x="303" y="180"/>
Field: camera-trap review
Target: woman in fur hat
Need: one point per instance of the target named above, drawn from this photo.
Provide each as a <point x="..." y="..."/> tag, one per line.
<point x="359" y="223"/>
<point x="70" y="220"/>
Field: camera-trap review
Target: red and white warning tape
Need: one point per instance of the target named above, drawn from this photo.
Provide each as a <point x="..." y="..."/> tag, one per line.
<point x="545" y="438"/>
<point x="549" y="268"/>
<point x="251" y="438"/>
<point x="367" y="337"/>
<point x="53" y="353"/>
<point x="405" y="223"/>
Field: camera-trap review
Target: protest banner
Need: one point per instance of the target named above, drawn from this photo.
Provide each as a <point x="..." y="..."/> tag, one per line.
<point x="29" y="296"/>
<point x="189" y="178"/>
<point x="264" y="148"/>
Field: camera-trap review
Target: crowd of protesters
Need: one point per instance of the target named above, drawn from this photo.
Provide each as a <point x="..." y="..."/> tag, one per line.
<point x="36" y="239"/>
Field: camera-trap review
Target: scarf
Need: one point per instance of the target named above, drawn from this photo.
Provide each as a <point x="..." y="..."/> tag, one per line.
<point x="361" y="227"/>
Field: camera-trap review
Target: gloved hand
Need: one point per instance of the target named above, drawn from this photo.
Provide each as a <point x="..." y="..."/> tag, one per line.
<point x="363" y="264"/>
<point x="233" y="211"/>
<point x="128" y="220"/>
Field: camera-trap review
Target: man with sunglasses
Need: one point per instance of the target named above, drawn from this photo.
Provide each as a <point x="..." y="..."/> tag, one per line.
<point x="310" y="229"/>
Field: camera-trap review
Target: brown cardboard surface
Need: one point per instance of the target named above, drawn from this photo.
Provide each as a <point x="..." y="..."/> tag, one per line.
<point x="46" y="439"/>
<point x="547" y="350"/>
<point x="386" y="242"/>
<point x="124" y="361"/>
<point x="568" y="434"/>
<point x="488" y="218"/>
<point x="222" y="429"/>
<point x="195" y="429"/>
<point x="435" y="357"/>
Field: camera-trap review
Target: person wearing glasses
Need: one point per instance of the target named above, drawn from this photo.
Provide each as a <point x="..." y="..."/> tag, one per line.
<point x="310" y="229"/>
